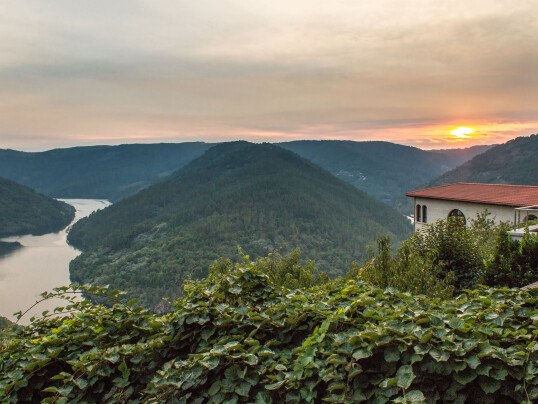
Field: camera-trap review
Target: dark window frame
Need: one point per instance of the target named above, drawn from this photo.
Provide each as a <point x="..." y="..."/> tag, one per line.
<point x="458" y="215"/>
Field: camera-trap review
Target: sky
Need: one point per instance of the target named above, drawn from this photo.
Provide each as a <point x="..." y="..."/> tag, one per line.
<point x="407" y="71"/>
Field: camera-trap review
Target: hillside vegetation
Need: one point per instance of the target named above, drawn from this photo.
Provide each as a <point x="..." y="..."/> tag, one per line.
<point x="242" y="337"/>
<point x="514" y="162"/>
<point x="25" y="211"/>
<point x="259" y="197"/>
<point x="384" y="170"/>
<point x="7" y="247"/>
<point x="100" y="172"/>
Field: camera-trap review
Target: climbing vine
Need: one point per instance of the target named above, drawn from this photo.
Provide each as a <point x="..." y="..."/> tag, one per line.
<point x="239" y="337"/>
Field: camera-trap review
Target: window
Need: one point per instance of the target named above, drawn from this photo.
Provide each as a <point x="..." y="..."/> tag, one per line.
<point x="458" y="215"/>
<point x="424" y="214"/>
<point x="417" y="216"/>
<point x="528" y="218"/>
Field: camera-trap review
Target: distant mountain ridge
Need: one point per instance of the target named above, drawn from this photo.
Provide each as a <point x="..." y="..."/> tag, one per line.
<point x="382" y="169"/>
<point x="25" y="211"/>
<point x="514" y="162"/>
<point x="459" y="156"/>
<point x="260" y="197"/>
<point x="99" y="172"/>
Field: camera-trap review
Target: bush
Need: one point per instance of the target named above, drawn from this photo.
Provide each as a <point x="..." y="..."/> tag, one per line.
<point x="514" y="263"/>
<point x="408" y="271"/>
<point x="237" y="337"/>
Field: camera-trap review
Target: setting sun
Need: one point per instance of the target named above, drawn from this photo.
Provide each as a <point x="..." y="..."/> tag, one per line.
<point x="462" y="132"/>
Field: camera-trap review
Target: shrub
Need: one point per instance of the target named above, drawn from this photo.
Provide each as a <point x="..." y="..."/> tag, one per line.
<point x="514" y="263"/>
<point x="408" y="271"/>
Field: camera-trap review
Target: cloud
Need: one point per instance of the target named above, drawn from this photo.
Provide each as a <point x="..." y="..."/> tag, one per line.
<point x="97" y="70"/>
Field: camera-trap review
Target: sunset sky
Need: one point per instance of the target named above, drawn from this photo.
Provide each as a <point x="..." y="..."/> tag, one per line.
<point x="121" y="71"/>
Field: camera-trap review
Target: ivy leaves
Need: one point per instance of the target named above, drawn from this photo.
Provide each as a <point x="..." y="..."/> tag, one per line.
<point x="240" y="337"/>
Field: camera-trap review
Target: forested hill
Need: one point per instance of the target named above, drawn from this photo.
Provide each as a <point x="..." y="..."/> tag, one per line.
<point x="384" y="170"/>
<point x="259" y="197"/>
<point x="514" y="162"/>
<point x="25" y="211"/>
<point x="103" y="172"/>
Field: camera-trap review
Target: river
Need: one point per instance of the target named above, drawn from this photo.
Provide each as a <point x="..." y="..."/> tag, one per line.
<point x="42" y="264"/>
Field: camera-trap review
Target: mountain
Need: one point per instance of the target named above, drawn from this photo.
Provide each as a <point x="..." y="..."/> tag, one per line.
<point x="25" y="211"/>
<point x="514" y="162"/>
<point x="459" y="156"/>
<point x="100" y="172"/>
<point x="259" y="197"/>
<point x="382" y="169"/>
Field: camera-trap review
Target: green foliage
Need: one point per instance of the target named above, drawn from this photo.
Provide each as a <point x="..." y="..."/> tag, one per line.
<point x="514" y="263"/>
<point x="99" y="172"/>
<point x="25" y="211"/>
<point x="407" y="271"/>
<point x="260" y="197"/>
<point x="286" y="271"/>
<point x="447" y="256"/>
<point x="237" y="337"/>
<point x="454" y="246"/>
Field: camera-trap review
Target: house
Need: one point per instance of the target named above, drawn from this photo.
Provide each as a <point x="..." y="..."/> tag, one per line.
<point x="507" y="203"/>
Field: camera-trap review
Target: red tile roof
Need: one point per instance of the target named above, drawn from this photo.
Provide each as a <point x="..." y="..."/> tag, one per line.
<point x="496" y="194"/>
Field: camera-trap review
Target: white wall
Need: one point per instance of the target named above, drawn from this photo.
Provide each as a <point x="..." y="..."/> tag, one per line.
<point x="439" y="209"/>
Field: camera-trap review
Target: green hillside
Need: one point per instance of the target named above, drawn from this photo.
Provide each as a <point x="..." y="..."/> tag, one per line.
<point x="514" y="162"/>
<point x="6" y="248"/>
<point x="260" y="197"/>
<point x="382" y="169"/>
<point x="101" y="172"/>
<point x="25" y="211"/>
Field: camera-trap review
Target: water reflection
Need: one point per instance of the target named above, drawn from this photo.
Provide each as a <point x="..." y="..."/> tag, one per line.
<point x="42" y="264"/>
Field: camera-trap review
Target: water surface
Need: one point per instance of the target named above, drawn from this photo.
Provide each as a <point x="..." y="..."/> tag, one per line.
<point x="40" y="265"/>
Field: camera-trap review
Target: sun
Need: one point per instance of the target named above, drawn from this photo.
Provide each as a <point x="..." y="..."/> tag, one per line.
<point x="462" y="132"/>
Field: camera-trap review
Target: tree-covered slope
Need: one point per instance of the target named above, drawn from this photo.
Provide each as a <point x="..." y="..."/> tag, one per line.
<point x="382" y="169"/>
<point x="8" y="247"/>
<point x="25" y="211"/>
<point x="260" y="197"/>
<point x="103" y="172"/>
<point x="514" y="162"/>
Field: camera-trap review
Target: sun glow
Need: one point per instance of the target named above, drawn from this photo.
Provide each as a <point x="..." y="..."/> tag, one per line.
<point x="462" y="132"/>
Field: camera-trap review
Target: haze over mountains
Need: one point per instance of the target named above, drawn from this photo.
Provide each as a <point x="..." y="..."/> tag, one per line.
<point x="382" y="169"/>
<point x="99" y="172"/>
<point x="260" y="197"/>
<point x="514" y="162"/>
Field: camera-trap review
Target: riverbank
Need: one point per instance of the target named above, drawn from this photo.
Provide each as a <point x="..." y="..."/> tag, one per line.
<point x="41" y="265"/>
